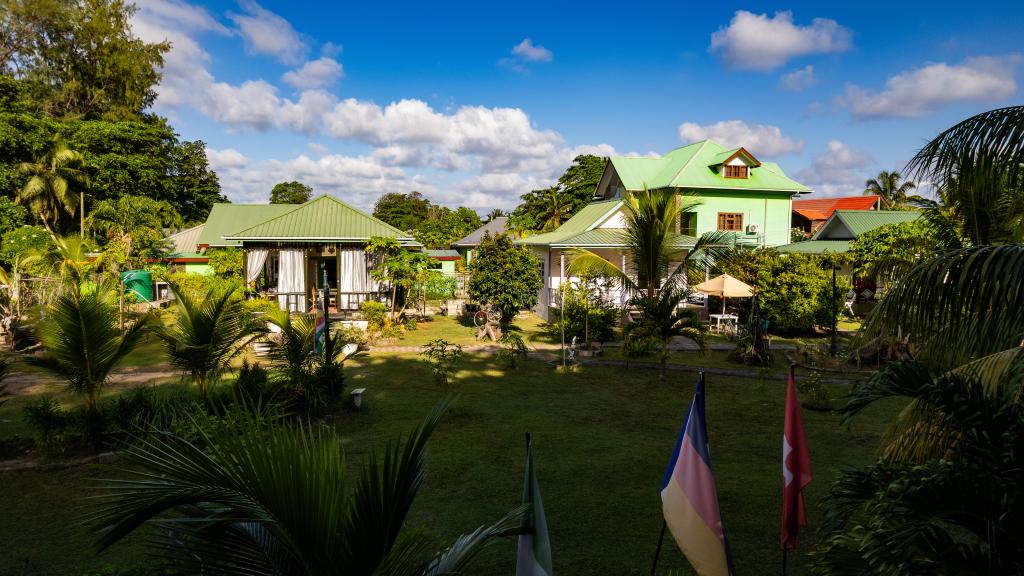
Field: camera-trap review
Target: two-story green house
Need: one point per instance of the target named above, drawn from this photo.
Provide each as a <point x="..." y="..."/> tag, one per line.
<point x="736" y="193"/>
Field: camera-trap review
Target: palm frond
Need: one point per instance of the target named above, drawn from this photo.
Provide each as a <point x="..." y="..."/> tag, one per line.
<point x="456" y="557"/>
<point x="958" y="305"/>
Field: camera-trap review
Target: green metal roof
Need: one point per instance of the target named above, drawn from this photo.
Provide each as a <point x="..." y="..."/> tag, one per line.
<point x="185" y="243"/>
<point x="227" y="218"/>
<point x="443" y="254"/>
<point x="589" y="217"/>
<point x="816" y="246"/>
<point x="324" y="219"/>
<point x="848" y="224"/>
<point x="611" y="238"/>
<point x="693" y="166"/>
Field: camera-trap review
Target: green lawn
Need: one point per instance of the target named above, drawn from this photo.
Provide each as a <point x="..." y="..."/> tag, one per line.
<point x="602" y="438"/>
<point x="462" y="331"/>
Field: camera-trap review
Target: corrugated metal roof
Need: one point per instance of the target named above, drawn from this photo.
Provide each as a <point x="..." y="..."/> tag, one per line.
<point x="821" y="208"/>
<point x="324" y="219"/>
<point x="692" y="167"/>
<point x="611" y="238"/>
<point x="443" y="254"/>
<point x="185" y="243"/>
<point x="848" y="224"/>
<point x="494" y="227"/>
<point x="227" y="218"/>
<point x="588" y="217"/>
<point x="816" y="246"/>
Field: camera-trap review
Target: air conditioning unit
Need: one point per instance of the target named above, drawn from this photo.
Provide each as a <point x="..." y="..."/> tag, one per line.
<point x="753" y="229"/>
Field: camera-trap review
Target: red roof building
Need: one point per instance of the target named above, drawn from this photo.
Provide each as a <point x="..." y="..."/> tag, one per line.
<point x="809" y="215"/>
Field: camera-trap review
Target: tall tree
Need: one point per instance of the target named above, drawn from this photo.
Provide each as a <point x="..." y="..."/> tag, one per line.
<point x="495" y="214"/>
<point x="48" y="191"/>
<point x="290" y="193"/>
<point x="547" y="208"/>
<point x="445" y="226"/>
<point x="80" y="58"/>
<point x="893" y="190"/>
<point x="504" y="274"/>
<point x="403" y="211"/>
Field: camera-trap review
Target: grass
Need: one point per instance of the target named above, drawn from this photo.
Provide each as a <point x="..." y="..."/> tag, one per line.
<point x="462" y="331"/>
<point x="602" y="438"/>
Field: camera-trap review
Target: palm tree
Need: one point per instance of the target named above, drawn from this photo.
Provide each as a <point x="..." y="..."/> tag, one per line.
<point x="557" y="208"/>
<point x="12" y="304"/>
<point x="494" y="214"/>
<point x="50" y="178"/>
<point x="977" y="167"/>
<point x="893" y="190"/>
<point x="658" y="254"/>
<point x="954" y="508"/>
<point x="209" y="332"/>
<point x="277" y="500"/>
<point x="662" y="318"/>
<point x="83" y="340"/>
<point x="133" y="218"/>
<point x="71" y="259"/>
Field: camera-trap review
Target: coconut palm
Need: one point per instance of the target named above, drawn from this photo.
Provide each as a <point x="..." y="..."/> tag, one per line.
<point x="494" y="214"/>
<point x="209" y="331"/>
<point x="48" y="190"/>
<point x="83" y="340"/>
<point x="133" y="219"/>
<point x="977" y="164"/>
<point x="658" y="254"/>
<point x="557" y="207"/>
<point x="662" y="318"/>
<point x="279" y="500"/>
<point x="893" y="190"/>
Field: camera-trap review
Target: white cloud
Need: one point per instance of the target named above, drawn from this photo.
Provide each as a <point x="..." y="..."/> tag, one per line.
<point x="839" y="171"/>
<point x="923" y="90"/>
<point x="524" y="53"/>
<point x="267" y="33"/>
<point x="471" y="155"/>
<point x="798" y="80"/>
<point x="530" y="52"/>
<point x="317" y="73"/>
<point x="759" y="139"/>
<point x="757" y="42"/>
<point x="225" y="159"/>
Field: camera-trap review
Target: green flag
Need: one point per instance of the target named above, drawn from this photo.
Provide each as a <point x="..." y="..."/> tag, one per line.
<point x="534" y="556"/>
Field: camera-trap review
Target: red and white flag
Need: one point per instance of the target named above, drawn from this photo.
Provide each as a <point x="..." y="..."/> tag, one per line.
<point x="796" y="469"/>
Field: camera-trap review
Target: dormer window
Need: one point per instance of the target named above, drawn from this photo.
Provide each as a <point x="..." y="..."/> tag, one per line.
<point x="737" y="171"/>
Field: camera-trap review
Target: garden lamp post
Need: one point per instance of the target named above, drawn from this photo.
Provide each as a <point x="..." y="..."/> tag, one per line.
<point x="835" y="313"/>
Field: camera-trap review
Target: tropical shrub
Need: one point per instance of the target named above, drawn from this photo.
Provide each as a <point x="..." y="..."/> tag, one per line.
<point x="227" y="263"/>
<point x="891" y="249"/>
<point x="208" y="332"/>
<point x="444" y="358"/>
<point x="26" y="241"/>
<point x="83" y="339"/>
<point x="504" y="275"/>
<point x="793" y="289"/>
<point x="512" y="349"/>
<point x="588" y="315"/>
<point x="252" y="383"/>
<point x="51" y="424"/>
<point x="376" y="315"/>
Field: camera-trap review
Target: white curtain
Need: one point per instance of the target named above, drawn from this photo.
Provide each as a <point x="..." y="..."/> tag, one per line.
<point x="352" y="276"/>
<point x="255" y="258"/>
<point x="291" y="277"/>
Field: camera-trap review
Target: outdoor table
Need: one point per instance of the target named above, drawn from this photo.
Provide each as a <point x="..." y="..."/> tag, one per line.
<point x="729" y="320"/>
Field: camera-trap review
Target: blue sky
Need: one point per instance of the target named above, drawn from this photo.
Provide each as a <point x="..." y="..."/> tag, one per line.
<point x="475" y="104"/>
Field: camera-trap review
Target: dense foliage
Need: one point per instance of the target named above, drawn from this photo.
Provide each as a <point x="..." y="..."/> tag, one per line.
<point x="136" y="223"/>
<point x="72" y="71"/>
<point x="290" y="193"/>
<point x="891" y="248"/>
<point x="588" y="314"/>
<point x="794" y="289"/>
<point x="547" y="208"/>
<point x="434" y="225"/>
<point x="504" y="275"/>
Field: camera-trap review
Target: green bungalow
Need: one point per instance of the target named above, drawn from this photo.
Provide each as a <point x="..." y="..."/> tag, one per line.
<point x="737" y="192"/>
<point x="290" y="249"/>
<point x="844" y="226"/>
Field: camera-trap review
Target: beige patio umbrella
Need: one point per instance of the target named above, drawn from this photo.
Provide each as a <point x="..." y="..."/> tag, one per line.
<point x="725" y="286"/>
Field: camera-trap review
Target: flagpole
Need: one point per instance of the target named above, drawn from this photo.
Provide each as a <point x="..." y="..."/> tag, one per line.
<point x="657" y="551"/>
<point x="784" y="551"/>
